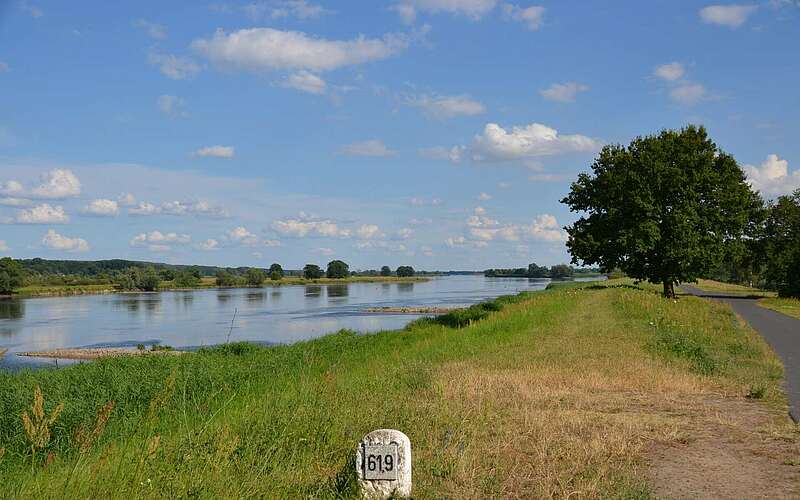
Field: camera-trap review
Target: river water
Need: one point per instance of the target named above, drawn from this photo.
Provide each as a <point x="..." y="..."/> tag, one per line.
<point x="190" y="319"/>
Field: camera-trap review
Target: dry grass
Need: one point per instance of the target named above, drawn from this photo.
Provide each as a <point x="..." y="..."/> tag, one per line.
<point x="789" y="307"/>
<point x="732" y="289"/>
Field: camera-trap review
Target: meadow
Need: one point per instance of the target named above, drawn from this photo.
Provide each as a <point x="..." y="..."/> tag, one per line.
<point x="576" y="391"/>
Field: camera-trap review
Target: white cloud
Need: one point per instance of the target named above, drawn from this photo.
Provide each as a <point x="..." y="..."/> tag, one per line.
<point x="15" y="202"/>
<point x="11" y="188"/>
<point x="180" y="208"/>
<point x="772" y="177"/>
<point x="325" y="251"/>
<point x="171" y="105"/>
<point x="369" y="231"/>
<point x="55" y="241"/>
<point x="172" y="66"/>
<point x="102" y="207"/>
<point x="153" y="30"/>
<point x="43" y="214"/>
<point x="670" y="71"/>
<point x="277" y="9"/>
<point x="371" y="148"/>
<point x="305" y="81"/>
<point x="216" y="152"/>
<point x="563" y="92"/>
<point x="531" y="16"/>
<point x="56" y="184"/>
<point x="405" y="233"/>
<point x="497" y="144"/>
<point x="688" y="94"/>
<point x="208" y="245"/>
<point x="484" y="197"/>
<point x="447" y="106"/>
<point x="126" y="200"/>
<point x="421" y="222"/>
<point x="304" y="226"/>
<point x="3" y="246"/>
<point x="265" y="49"/>
<point x="474" y="9"/>
<point x="272" y="243"/>
<point x="732" y="16"/>
<point x="156" y="241"/>
<point x="545" y="228"/>
<point x="242" y="236"/>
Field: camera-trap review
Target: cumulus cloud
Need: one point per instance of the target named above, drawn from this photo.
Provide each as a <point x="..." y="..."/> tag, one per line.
<point x="484" y="197"/>
<point x="156" y="241"/>
<point x="670" y="71"/>
<point x="208" y="245"/>
<point x="56" y="184"/>
<point x="172" y="66"/>
<point x="532" y="17"/>
<point x="563" y="92"/>
<point x="171" y="105"/>
<point x="481" y="228"/>
<point x="102" y="208"/>
<point x="732" y="16"/>
<point x="305" y="81"/>
<point x="241" y="236"/>
<point x="545" y="228"/>
<point x="325" y="251"/>
<point x="226" y="152"/>
<point x="772" y="177"/>
<point x="153" y="30"/>
<point x="10" y="188"/>
<point x="55" y="241"/>
<point x="444" y="106"/>
<point x="474" y="9"/>
<point x="688" y="94"/>
<point x="303" y="226"/>
<point x="371" y="148"/>
<point x="15" y="202"/>
<point x="126" y="200"/>
<point x="452" y="154"/>
<point x="200" y="208"/>
<point x="496" y="144"/>
<point x="369" y="231"/>
<point x="43" y="214"/>
<point x="404" y="233"/>
<point x="267" y="49"/>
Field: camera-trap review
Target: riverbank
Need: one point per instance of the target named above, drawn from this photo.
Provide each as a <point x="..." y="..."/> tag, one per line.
<point x="596" y="391"/>
<point x="789" y="307"/>
<point x="205" y="284"/>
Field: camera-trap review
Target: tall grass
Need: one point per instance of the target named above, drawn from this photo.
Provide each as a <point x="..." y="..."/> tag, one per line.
<point x="506" y="398"/>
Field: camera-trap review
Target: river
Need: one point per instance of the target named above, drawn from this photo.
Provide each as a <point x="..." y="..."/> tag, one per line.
<point x="190" y="319"/>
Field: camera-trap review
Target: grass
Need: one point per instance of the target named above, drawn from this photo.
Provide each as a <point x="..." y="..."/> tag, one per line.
<point x="732" y="289"/>
<point x="789" y="307"/>
<point x="548" y="394"/>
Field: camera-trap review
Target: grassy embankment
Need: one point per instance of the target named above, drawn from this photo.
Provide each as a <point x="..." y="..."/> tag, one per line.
<point x="205" y="283"/>
<point x="790" y="307"/>
<point x="555" y="393"/>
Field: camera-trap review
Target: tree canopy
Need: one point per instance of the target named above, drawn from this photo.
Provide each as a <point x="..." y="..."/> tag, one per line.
<point x="275" y="272"/>
<point x="338" y="269"/>
<point x="312" y="272"/>
<point x="663" y="209"/>
<point x="386" y="271"/>
<point x="405" y="271"/>
<point x="254" y="277"/>
<point x="781" y="245"/>
<point x="11" y="275"/>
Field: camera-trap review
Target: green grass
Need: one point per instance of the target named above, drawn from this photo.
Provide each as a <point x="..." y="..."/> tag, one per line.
<point x="517" y="397"/>
<point x="789" y="307"/>
<point x="731" y="289"/>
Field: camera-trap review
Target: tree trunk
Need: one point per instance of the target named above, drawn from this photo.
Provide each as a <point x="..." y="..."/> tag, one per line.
<point x="669" y="289"/>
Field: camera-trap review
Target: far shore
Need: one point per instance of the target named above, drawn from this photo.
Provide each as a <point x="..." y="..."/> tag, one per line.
<point x="205" y="284"/>
<point x="95" y="353"/>
<point x="410" y="310"/>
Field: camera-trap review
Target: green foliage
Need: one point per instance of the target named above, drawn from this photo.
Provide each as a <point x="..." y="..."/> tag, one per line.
<point x="781" y="245"/>
<point x="11" y="275"/>
<point x="186" y="279"/>
<point x="224" y="278"/>
<point x="561" y="271"/>
<point x="405" y="271"/>
<point x="275" y="272"/>
<point x="136" y="278"/>
<point x="337" y="269"/>
<point x="535" y="271"/>
<point x="254" y="277"/>
<point x="149" y="280"/>
<point x="312" y="272"/>
<point x="663" y="209"/>
<point x="386" y="271"/>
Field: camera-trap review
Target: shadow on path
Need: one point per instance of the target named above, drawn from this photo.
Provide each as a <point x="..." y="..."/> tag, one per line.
<point x="781" y="332"/>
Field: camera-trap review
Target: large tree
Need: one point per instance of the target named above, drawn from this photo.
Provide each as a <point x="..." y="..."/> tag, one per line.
<point x="338" y="269"/>
<point x="312" y="272"/>
<point x="664" y="209"/>
<point x="781" y="245"/>
<point x="11" y="275"/>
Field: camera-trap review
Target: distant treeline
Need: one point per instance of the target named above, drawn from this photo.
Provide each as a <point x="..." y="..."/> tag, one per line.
<point x="559" y="271"/>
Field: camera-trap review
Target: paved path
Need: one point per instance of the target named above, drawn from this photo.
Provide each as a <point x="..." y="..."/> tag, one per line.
<point x="781" y="332"/>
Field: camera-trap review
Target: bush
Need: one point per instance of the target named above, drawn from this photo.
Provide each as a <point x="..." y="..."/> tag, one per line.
<point x="11" y="275"/>
<point x="254" y="277"/>
<point x="186" y="279"/>
<point x="224" y="278"/>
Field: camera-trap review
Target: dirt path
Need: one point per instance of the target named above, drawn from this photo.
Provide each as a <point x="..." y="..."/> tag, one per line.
<point x="781" y="332"/>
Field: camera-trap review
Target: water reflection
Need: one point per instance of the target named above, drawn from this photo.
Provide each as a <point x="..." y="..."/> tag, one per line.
<point x="12" y="309"/>
<point x="405" y="287"/>
<point x="255" y="298"/>
<point x="150" y="303"/>
<point x="336" y="291"/>
<point x="223" y="296"/>
<point x="313" y="291"/>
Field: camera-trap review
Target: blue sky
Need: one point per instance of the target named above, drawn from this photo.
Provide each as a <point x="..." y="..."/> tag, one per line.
<point x="436" y="133"/>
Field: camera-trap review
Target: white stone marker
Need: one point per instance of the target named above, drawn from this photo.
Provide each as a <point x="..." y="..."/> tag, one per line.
<point x="383" y="463"/>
